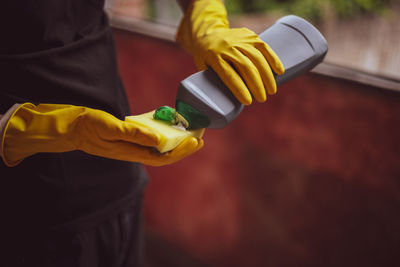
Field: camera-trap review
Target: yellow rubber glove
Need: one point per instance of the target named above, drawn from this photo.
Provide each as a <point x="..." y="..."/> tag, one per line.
<point x="60" y="128"/>
<point x="238" y="56"/>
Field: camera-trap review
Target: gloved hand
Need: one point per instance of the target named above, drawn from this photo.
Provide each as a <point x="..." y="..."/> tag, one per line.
<point x="238" y="56"/>
<point x="60" y="128"/>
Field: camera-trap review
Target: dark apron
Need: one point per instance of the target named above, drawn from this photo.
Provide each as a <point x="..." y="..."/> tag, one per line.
<point x="66" y="209"/>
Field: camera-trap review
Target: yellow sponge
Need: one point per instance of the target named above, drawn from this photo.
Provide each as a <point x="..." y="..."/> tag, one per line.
<point x="171" y="136"/>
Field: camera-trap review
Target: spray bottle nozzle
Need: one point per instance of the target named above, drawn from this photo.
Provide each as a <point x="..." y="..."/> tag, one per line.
<point x="194" y="117"/>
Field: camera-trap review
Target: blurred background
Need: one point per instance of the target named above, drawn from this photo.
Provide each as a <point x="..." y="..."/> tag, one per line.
<point x="309" y="178"/>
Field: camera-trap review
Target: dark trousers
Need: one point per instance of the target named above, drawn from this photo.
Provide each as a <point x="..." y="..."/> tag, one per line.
<point x="71" y="209"/>
<point x="116" y="241"/>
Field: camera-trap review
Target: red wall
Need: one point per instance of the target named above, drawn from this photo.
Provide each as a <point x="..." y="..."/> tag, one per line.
<point x="312" y="177"/>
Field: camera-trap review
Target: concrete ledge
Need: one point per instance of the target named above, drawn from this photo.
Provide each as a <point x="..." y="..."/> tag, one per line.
<point x="337" y="71"/>
<point x="135" y="25"/>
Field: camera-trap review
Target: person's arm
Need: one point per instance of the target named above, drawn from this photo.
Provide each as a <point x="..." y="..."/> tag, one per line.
<point x="243" y="61"/>
<point x="184" y="4"/>
<point x="28" y="129"/>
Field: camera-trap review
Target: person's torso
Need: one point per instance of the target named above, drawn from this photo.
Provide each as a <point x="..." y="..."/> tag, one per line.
<point x="59" y="52"/>
<point x="62" y="52"/>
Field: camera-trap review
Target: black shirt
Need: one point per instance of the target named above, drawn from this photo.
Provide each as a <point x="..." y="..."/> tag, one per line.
<point x="61" y="52"/>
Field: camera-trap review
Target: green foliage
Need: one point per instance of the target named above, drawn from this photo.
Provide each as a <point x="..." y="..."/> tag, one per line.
<point x="311" y="9"/>
<point x="348" y="8"/>
<point x="151" y="11"/>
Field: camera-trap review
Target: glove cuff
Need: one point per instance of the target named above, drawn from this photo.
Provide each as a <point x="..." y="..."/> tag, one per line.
<point x="4" y="123"/>
<point x="200" y="17"/>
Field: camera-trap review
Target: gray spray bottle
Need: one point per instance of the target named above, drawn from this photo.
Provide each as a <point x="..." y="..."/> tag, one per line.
<point x="205" y="102"/>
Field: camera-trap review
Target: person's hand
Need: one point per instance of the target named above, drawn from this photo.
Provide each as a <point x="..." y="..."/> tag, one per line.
<point x="239" y="57"/>
<point x="59" y="128"/>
